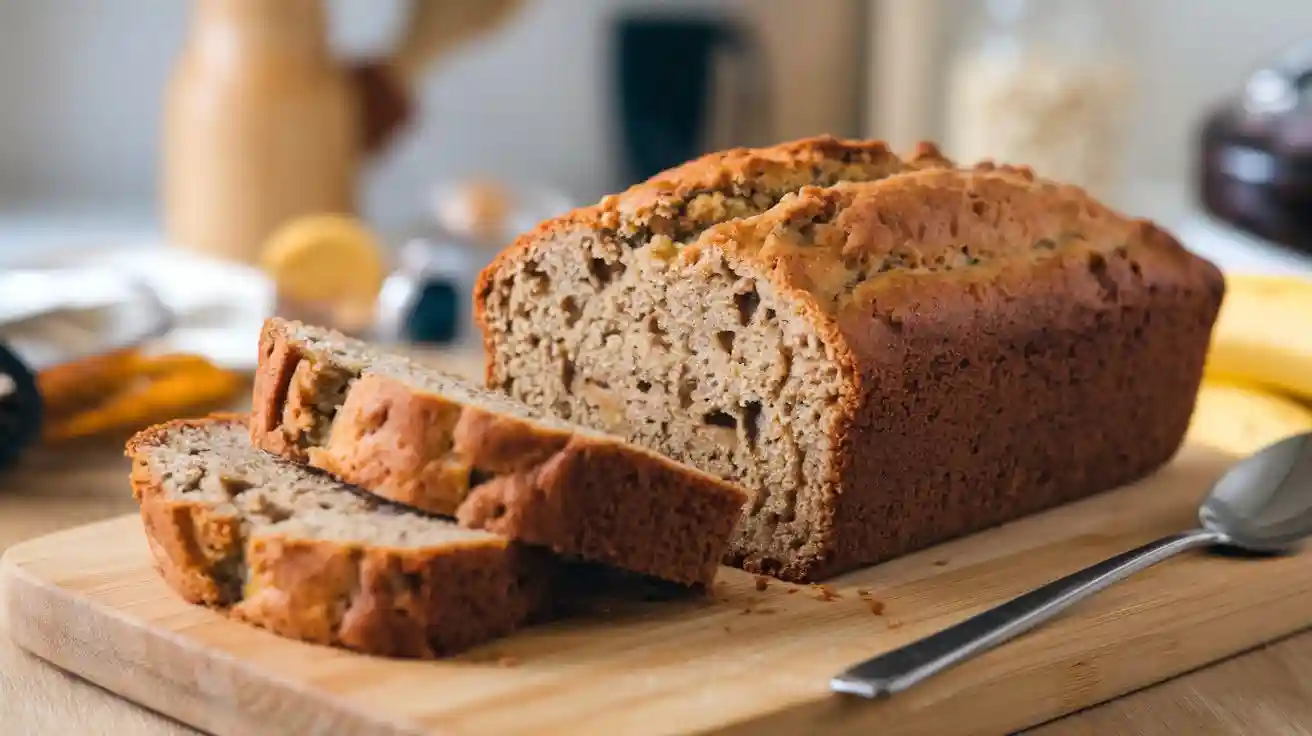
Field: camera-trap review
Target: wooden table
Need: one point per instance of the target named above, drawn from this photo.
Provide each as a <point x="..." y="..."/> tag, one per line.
<point x="1267" y="691"/>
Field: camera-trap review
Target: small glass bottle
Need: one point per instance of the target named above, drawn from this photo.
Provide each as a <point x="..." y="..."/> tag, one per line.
<point x="1041" y="83"/>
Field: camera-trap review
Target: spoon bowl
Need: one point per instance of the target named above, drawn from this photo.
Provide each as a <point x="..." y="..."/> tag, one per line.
<point x="1264" y="503"/>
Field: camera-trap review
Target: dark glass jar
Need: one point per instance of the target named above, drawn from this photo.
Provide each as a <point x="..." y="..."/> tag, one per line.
<point x="1256" y="154"/>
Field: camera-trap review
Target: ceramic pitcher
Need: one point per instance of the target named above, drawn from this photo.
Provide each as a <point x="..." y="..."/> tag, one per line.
<point x="263" y="124"/>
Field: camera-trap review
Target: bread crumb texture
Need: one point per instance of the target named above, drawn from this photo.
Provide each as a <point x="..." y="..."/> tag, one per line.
<point x="291" y="550"/>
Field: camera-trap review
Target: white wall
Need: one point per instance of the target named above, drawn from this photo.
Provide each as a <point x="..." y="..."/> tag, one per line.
<point x="1189" y="54"/>
<point x="1193" y="52"/>
<point x="80" y="84"/>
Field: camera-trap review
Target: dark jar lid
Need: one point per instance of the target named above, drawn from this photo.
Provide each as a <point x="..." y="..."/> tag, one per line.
<point x="20" y="406"/>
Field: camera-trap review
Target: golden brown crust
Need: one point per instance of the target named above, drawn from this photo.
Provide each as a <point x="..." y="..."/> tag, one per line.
<point x="285" y="418"/>
<point x="593" y="501"/>
<point x="270" y="393"/>
<point x="845" y="244"/>
<point x="420" y="449"/>
<point x="681" y="202"/>
<point x="390" y="602"/>
<point x="658" y="204"/>
<point x="591" y="497"/>
<point x="189" y="544"/>
<point x="423" y="602"/>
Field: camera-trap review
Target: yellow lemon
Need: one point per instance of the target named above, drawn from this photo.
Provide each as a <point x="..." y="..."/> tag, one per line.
<point x="327" y="257"/>
<point x="1239" y="418"/>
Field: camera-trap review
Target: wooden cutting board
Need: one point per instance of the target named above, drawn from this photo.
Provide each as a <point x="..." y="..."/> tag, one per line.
<point x="747" y="661"/>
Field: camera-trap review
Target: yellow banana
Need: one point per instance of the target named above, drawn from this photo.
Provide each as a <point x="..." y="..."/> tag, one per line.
<point x="1240" y="419"/>
<point x="1263" y="335"/>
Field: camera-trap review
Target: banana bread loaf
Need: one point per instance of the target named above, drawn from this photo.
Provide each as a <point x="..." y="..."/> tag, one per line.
<point x="414" y="435"/>
<point x="884" y="364"/>
<point x="293" y="551"/>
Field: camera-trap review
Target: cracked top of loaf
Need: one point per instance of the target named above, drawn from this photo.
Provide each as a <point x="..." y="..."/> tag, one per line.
<point x="681" y="202"/>
<point x="855" y="240"/>
<point x="833" y="217"/>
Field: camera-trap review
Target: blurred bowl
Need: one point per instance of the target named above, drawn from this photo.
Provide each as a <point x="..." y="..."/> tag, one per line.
<point x="427" y="299"/>
<point x="489" y="213"/>
<point x="217" y="306"/>
<point x="54" y="316"/>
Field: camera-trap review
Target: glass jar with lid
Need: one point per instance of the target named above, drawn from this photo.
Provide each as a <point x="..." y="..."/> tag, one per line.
<point x="1042" y="83"/>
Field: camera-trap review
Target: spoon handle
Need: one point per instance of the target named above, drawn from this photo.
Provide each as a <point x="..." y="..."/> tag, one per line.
<point x="901" y="668"/>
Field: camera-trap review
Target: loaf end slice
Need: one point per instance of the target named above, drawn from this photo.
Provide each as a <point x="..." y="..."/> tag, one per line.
<point x="293" y="551"/>
<point x="416" y="436"/>
<point x="884" y="364"/>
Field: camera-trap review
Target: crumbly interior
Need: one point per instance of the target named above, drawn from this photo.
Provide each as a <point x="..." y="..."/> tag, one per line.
<point x="698" y="359"/>
<point x="215" y="464"/>
<point x="355" y="358"/>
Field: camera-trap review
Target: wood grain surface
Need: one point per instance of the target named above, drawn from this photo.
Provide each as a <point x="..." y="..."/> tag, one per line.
<point x="748" y="661"/>
<point x="1262" y="692"/>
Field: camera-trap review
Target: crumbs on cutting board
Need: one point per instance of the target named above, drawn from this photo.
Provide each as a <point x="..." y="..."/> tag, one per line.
<point x="940" y="563"/>
<point x="752" y="604"/>
<point x="825" y="593"/>
<point x="876" y="605"/>
<point x="492" y="658"/>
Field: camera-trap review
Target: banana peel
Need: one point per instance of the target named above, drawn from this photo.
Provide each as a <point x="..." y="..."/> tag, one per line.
<point x="70" y="387"/>
<point x="127" y="392"/>
<point x="1263" y="335"/>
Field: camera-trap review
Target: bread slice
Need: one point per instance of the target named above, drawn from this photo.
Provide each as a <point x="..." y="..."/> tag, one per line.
<point x="293" y="551"/>
<point x="414" y="435"/>
<point x="884" y="364"/>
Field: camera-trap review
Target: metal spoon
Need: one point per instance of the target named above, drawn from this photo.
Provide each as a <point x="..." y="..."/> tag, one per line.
<point x="1262" y="504"/>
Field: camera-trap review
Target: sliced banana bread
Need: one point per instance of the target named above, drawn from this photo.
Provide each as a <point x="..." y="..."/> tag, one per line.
<point x="414" y="435"/>
<point x="293" y="551"/>
<point x="885" y="364"/>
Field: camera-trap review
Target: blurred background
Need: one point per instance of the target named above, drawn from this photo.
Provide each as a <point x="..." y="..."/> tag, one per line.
<point x="533" y="98"/>
<point x="174" y="171"/>
<point x="356" y="162"/>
